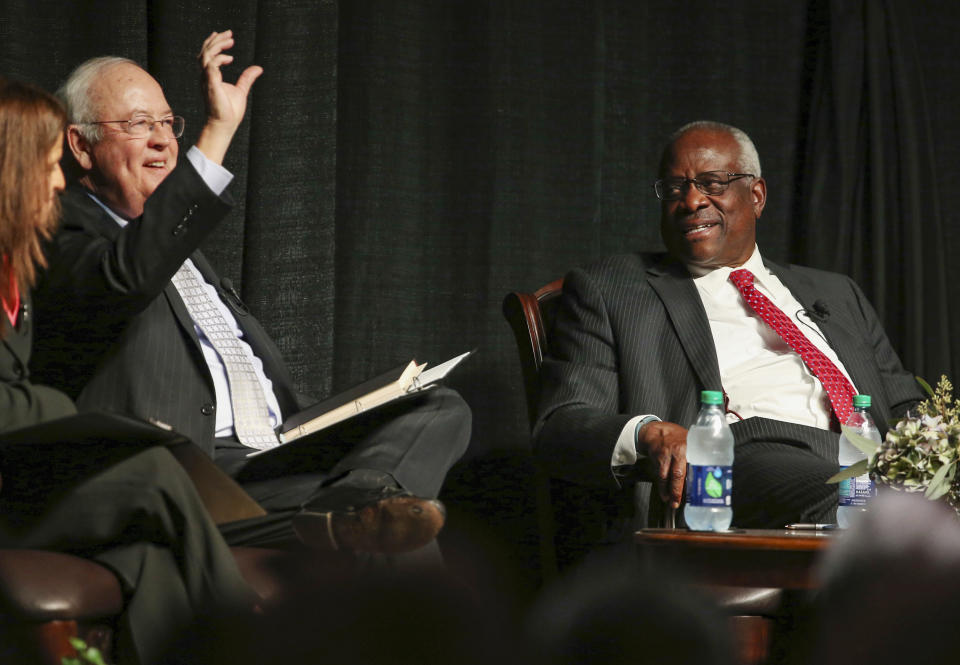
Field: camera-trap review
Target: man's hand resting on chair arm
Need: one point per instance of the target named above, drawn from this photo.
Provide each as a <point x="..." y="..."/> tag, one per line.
<point x="663" y="447"/>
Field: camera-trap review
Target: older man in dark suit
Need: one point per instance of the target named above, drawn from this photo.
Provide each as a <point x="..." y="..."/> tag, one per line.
<point x="124" y="503"/>
<point x="135" y="320"/>
<point x="639" y="336"/>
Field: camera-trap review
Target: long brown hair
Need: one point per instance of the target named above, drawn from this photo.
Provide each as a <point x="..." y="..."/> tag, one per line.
<point x="31" y="123"/>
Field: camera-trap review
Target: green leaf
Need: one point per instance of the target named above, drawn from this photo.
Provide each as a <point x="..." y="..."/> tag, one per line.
<point x="925" y="386"/>
<point x="851" y="471"/>
<point x="94" y="656"/>
<point x="940" y="484"/>
<point x="867" y="446"/>
<point x="934" y="492"/>
<point x="87" y="655"/>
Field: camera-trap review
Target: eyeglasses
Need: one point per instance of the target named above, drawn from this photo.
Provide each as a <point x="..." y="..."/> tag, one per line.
<point x="711" y="183"/>
<point x="142" y="126"/>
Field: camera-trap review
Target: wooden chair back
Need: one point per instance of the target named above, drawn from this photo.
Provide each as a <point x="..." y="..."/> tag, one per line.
<point x="531" y="316"/>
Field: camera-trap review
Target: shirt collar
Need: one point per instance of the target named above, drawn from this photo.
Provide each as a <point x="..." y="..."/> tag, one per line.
<point x="117" y="218"/>
<point x="713" y="279"/>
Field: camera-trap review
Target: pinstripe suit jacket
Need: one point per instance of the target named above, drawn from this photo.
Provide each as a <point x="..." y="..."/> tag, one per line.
<point x="114" y="332"/>
<point x="632" y="337"/>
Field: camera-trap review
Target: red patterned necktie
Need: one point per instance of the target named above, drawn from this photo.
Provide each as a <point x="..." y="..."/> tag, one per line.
<point x="834" y="382"/>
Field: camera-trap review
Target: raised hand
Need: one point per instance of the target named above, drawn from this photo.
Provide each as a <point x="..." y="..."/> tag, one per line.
<point x="226" y="102"/>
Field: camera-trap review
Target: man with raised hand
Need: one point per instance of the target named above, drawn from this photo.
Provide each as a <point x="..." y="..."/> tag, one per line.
<point x="135" y="320"/>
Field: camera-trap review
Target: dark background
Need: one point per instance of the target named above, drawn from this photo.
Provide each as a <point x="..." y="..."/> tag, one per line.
<point x="404" y="164"/>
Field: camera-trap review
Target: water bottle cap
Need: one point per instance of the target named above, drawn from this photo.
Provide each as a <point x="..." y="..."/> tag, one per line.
<point x="711" y="397"/>
<point x="861" y="401"/>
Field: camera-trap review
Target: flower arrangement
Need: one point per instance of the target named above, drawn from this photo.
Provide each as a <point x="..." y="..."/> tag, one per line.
<point x="920" y="453"/>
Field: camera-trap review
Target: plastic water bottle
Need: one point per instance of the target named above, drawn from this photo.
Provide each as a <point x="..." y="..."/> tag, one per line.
<point x="709" y="474"/>
<point x="855" y="492"/>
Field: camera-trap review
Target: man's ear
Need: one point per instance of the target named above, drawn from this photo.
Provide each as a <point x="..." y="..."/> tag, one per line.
<point x="758" y="190"/>
<point x="80" y="148"/>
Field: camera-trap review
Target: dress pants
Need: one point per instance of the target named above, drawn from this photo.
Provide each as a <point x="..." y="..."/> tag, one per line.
<point x="780" y="473"/>
<point x="414" y="441"/>
<point x="142" y="518"/>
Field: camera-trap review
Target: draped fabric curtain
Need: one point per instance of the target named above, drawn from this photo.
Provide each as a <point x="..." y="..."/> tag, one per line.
<point x="869" y="203"/>
<point x="403" y="165"/>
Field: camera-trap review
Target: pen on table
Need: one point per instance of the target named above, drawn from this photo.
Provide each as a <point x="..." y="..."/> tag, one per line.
<point x="805" y="526"/>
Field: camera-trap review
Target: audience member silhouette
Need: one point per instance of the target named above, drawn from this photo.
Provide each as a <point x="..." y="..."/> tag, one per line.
<point x="609" y="611"/>
<point x="891" y="587"/>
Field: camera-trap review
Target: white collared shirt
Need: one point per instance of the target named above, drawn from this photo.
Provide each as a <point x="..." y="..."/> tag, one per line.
<point x="761" y="374"/>
<point x="217" y="178"/>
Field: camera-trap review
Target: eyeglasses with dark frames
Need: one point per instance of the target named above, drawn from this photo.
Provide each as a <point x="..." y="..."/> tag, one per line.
<point x="142" y="126"/>
<point x="711" y="183"/>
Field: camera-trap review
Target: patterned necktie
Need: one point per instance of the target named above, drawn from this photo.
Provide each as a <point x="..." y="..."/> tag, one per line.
<point x="251" y="415"/>
<point x="834" y="382"/>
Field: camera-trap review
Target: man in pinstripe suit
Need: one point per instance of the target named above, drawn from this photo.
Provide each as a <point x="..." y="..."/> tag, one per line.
<point x="638" y="336"/>
<point x="120" y="333"/>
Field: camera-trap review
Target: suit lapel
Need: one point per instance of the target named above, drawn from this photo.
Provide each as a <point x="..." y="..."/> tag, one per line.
<point x="802" y="288"/>
<point x="180" y="311"/>
<point x="807" y="293"/>
<point x="847" y="344"/>
<point x="206" y="270"/>
<point x="679" y="295"/>
<point x="17" y="340"/>
<point x="98" y="218"/>
<point x="229" y="298"/>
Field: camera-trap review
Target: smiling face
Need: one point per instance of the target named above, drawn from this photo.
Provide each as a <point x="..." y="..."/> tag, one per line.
<point x="710" y="231"/>
<point x="124" y="170"/>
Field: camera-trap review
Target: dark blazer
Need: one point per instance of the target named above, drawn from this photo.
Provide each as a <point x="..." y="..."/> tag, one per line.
<point x="140" y="516"/>
<point x="632" y="337"/>
<point x="23" y="403"/>
<point x="115" y="333"/>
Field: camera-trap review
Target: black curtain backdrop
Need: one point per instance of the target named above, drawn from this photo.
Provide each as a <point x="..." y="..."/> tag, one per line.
<point x="869" y="204"/>
<point x="406" y="164"/>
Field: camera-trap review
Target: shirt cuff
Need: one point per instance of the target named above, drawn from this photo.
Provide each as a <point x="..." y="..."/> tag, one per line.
<point x="625" y="451"/>
<point x="215" y="176"/>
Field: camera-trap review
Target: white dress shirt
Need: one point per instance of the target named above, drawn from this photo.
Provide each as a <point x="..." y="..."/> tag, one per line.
<point x="217" y="178"/>
<point x="761" y="374"/>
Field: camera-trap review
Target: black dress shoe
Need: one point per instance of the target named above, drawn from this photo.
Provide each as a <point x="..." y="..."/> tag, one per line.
<point x="386" y="520"/>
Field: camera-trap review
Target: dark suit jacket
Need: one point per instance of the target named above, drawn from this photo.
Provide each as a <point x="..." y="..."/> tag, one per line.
<point x="115" y="333"/>
<point x="632" y="338"/>
<point x="22" y="403"/>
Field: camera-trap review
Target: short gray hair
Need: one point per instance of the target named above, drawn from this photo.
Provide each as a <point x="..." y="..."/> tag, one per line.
<point x="749" y="158"/>
<point x="75" y="93"/>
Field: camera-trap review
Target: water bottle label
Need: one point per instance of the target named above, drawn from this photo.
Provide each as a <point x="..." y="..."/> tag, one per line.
<point x="856" y="491"/>
<point x="709" y="486"/>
